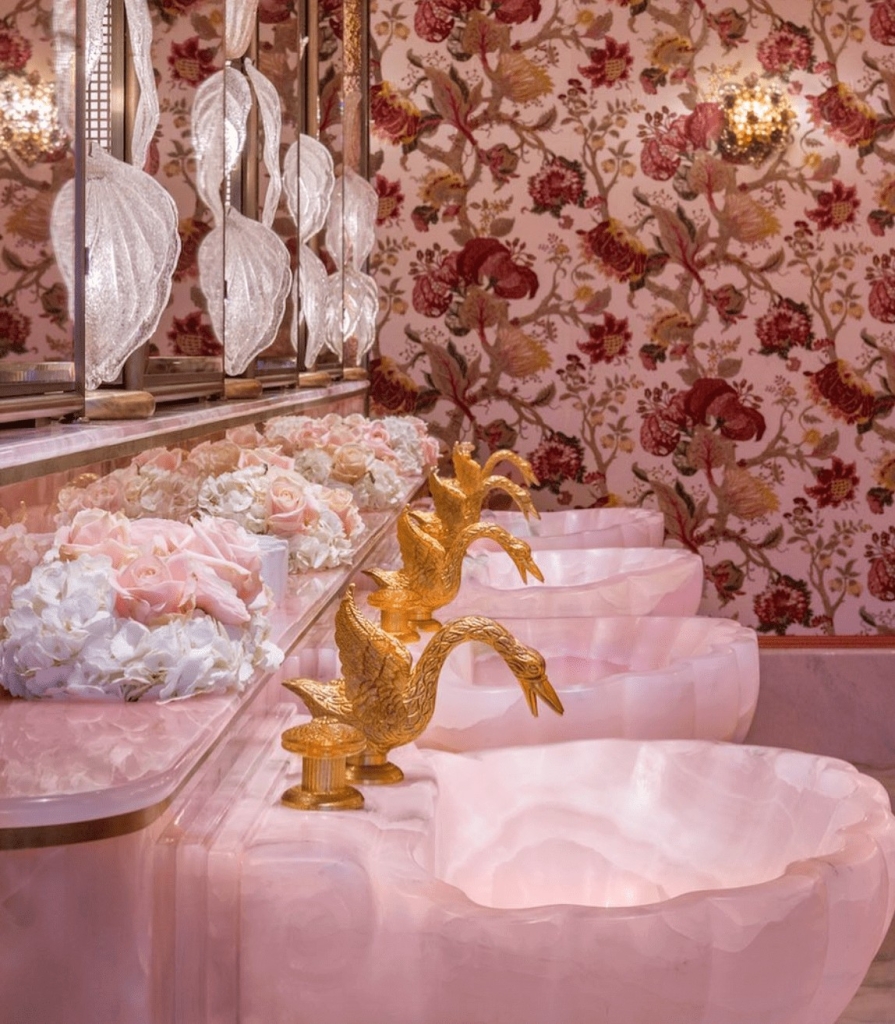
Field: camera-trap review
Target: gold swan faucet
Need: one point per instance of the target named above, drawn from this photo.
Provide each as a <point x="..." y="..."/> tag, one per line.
<point x="389" y="699"/>
<point x="382" y="699"/>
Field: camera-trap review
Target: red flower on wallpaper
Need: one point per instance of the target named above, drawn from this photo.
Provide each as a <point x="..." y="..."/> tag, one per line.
<point x="729" y="302"/>
<point x="727" y="579"/>
<point x="191" y="63"/>
<point x="15" y="329"/>
<point x="783" y="603"/>
<point x="557" y="458"/>
<point x="730" y="26"/>
<point x="835" y="486"/>
<point x="488" y="261"/>
<point x="606" y="341"/>
<point x="844" y="117"/>
<point x="882" y="22"/>
<point x="433" y="289"/>
<point x="193" y="337"/>
<point x="842" y="392"/>
<point x="391" y="199"/>
<point x="392" y="392"/>
<point x="835" y="208"/>
<point x="881" y="274"/>
<point x="788" y="48"/>
<point x="713" y="398"/>
<point x="502" y="162"/>
<point x="881" y="575"/>
<point x="395" y="119"/>
<point x="704" y="125"/>
<point x="786" y="325"/>
<point x="434" y="20"/>
<point x="15" y="49"/>
<point x="662" y="427"/>
<point x="272" y="12"/>
<point x="618" y="252"/>
<point x="559" y="182"/>
<point x="176" y="7"/>
<point x="515" y="12"/>
<point x="659" y="159"/>
<point x="608" y="66"/>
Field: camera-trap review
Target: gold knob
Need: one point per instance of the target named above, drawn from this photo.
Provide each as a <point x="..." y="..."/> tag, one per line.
<point x="324" y="745"/>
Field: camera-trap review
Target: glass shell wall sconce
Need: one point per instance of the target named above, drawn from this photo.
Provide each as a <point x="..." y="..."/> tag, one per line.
<point x="758" y="121"/>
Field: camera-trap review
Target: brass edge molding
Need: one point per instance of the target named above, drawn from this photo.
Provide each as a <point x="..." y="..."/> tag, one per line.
<point x="845" y="642"/>
<point x="33" y="837"/>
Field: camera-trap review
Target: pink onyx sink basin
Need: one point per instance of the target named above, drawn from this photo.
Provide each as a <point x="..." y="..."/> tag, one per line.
<point x="639" y="678"/>
<point x="581" y="583"/>
<point x="626" y="882"/>
<point x="586" y="528"/>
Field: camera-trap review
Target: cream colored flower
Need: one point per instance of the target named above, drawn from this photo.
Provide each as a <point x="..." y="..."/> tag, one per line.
<point x="748" y="497"/>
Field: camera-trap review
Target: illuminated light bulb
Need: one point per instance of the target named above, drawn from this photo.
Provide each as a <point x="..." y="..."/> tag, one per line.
<point x="28" y="123"/>
<point x="757" y="121"/>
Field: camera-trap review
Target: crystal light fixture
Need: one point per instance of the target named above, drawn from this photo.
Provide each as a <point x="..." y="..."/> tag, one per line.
<point x="757" y="121"/>
<point x="28" y="123"/>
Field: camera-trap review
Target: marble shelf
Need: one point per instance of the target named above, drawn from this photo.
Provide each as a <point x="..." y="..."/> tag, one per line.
<point x="71" y="771"/>
<point x="27" y="453"/>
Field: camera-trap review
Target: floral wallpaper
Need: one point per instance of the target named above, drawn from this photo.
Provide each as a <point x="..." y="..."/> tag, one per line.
<point x="569" y="266"/>
<point x="34" y="324"/>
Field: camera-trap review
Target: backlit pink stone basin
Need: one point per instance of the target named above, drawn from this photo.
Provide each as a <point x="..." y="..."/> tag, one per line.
<point x="639" y="678"/>
<point x="601" y="581"/>
<point x="586" y="528"/>
<point x="624" y="882"/>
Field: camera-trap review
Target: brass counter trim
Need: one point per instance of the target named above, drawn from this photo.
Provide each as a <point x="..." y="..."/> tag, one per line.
<point x="34" y="837"/>
<point x="845" y="642"/>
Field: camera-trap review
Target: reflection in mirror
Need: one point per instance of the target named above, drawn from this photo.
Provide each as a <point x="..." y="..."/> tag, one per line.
<point x="37" y="340"/>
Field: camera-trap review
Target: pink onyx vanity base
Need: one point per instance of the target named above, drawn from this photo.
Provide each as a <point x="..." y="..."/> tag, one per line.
<point x="584" y="528"/>
<point x="676" y="881"/>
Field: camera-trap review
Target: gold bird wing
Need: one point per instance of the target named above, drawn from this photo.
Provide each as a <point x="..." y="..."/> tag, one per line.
<point x="506" y="455"/>
<point x="376" y="670"/>
<point x="420" y="550"/>
<point x="323" y="699"/>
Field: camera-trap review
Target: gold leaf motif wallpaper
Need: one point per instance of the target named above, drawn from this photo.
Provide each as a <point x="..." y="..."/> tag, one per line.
<point x="571" y="264"/>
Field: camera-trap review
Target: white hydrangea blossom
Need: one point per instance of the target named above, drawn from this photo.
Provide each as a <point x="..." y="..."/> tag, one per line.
<point x="314" y="464"/>
<point x="239" y="496"/>
<point x="380" y="488"/>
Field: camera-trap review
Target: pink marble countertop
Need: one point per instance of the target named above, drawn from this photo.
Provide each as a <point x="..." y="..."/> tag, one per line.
<point x="66" y="761"/>
<point x="29" y="452"/>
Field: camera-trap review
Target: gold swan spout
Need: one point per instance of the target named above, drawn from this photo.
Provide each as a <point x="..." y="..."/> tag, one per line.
<point x="391" y="700"/>
<point x="431" y="572"/>
<point x="458" y="502"/>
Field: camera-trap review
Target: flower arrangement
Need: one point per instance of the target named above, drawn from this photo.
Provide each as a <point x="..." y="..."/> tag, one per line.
<point x="138" y="609"/>
<point x="256" y="487"/>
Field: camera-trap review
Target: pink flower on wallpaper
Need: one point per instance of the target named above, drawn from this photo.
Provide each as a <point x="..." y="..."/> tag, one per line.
<point x="619" y="254"/>
<point x="191" y="63"/>
<point x="608" y="66"/>
<point x="606" y="341"/>
<point x="835" y="208"/>
<point x="843" y="116"/>
<point x="434" y="20"/>
<point x="15" y="49"/>
<point x="395" y="119"/>
<point x="881" y="274"/>
<point x="788" y="48"/>
<point x="488" y="261"/>
<point x="882" y="22"/>
<point x="558" y="183"/>
<point x="515" y="12"/>
<point x="661" y="155"/>
<point x="391" y="199"/>
<point x="193" y="337"/>
<point x="15" y="329"/>
<point x="786" y="325"/>
<point x="703" y="127"/>
<point x="557" y="458"/>
<point x="783" y="603"/>
<point x="835" y="486"/>
<point x="433" y="289"/>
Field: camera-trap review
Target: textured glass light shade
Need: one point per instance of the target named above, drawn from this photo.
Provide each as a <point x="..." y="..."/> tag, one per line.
<point x="271" y="120"/>
<point x="351" y="224"/>
<point x="311" y="298"/>
<point x="133" y="247"/>
<point x="360" y="302"/>
<point x="240" y="25"/>
<point x="258" y="278"/>
<point x="308" y="180"/>
<point x="220" y="112"/>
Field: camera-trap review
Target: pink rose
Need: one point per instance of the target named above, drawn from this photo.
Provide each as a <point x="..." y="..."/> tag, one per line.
<point x="350" y="463"/>
<point x="97" y="532"/>
<point x="288" y="507"/>
<point x="231" y="551"/>
<point x="159" y="536"/>
<point x="167" y="459"/>
<point x="265" y="457"/>
<point x="213" y="458"/>
<point x="213" y="595"/>
<point x="147" y="590"/>
<point x="342" y="503"/>
<point x="246" y="436"/>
